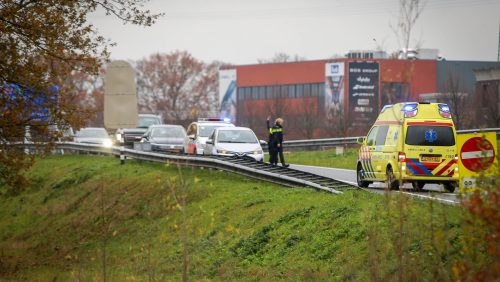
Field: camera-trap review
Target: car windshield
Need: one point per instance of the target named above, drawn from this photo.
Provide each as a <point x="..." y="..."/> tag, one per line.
<point x="430" y="136"/>
<point x="147" y="121"/>
<point x="172" y="132"/>
<point x="236" y="136"/>
<point x="92" y="133"/>
<point x="205" y="130"/>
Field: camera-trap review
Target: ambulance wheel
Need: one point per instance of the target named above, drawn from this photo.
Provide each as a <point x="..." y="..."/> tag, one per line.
<point x="359" y="177"/>
<point x="450" y="186"/>
<point x="418" y="186"/>
<point x="391" y="182"/>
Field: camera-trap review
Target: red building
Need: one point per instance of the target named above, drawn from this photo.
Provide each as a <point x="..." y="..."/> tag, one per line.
<point x="324" y="98"/>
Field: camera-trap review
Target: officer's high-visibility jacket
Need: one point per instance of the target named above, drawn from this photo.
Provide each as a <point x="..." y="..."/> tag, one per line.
<point x="276" y="135"/>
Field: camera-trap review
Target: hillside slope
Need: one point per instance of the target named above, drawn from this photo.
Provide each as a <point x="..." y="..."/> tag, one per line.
<point x="86" y="216"/>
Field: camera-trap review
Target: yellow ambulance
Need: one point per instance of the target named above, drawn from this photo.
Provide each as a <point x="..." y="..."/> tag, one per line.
<point x="410" y="142"/>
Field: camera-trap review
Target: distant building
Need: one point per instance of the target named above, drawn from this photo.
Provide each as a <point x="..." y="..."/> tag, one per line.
<point x="419" y="54"/>
<point x="366" y="54"/>
<point x="337" y="97"/>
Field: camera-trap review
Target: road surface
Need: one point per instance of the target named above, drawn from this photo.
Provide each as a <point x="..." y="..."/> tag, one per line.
<point x="431" y="191"/>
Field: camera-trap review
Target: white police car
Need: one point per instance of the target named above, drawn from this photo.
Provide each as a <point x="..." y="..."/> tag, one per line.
<point x="198" y="132"/>
<point x="230" y="141"/>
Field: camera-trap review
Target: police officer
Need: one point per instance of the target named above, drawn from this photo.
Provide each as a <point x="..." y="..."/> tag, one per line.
<point x="270" y="144"/>
<point x="276" y="142"/>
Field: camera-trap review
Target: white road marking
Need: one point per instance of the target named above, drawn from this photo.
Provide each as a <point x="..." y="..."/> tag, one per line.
<point x="431" y="198"/>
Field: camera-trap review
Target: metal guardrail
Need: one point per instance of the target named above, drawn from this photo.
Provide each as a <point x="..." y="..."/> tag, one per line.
<point x="245" y="166"/>
<point x="317" y="144"/>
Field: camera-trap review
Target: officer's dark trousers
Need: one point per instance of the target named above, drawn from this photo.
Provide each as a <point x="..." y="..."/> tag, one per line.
<point x="272" y="153"/>
<point x="279" y="150"/>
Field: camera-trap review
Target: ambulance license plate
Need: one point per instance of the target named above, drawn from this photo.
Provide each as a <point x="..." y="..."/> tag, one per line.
<point x="430" y="158"/>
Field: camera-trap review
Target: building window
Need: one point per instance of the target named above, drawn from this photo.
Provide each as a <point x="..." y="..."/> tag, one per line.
<point x="241" y="93"/>
<point x="248" y="93"/>
<point x="255" y="92"/>
<point x="284" y="91"/>
<point x="276" y="92"/>
<point x="262" y="92"/>
<point x="314" y="90"/>
<point x="307" y="90"/>
<point x="269" y="92"/>
<point x="291" y="91"/>
<point x="299" y="90"/>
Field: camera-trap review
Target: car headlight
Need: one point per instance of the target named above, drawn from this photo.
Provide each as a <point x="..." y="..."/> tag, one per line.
<point x="118" y="136"/>
<point x="221" y="151"/>
<point x="257" y="152"/>
<point x="107" y="143"/>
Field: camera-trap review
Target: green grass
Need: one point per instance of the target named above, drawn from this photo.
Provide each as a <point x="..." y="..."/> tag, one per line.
<point x="230" y="227"/>
<point x="326" y="158"/>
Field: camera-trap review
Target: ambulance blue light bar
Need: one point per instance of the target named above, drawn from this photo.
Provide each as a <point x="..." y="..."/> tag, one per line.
<point x="410" y="109"/>
<point x="444" y="110"/>
<point x="215" y="119"/>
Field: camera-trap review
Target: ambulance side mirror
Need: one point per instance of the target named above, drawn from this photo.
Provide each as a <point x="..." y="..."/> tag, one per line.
<point x="361" y="140"/>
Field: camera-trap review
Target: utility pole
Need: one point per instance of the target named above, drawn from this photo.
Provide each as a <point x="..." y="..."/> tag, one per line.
<point x="498" y="56"/>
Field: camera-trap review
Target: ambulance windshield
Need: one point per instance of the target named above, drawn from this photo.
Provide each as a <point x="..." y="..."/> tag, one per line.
<point x="430" y="136"/>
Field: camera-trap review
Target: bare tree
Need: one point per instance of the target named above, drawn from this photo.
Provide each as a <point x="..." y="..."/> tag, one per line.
<point x="409" y="12"/>
<point x="458" y="101"/>
<point x="308" y="120"/>
<point x="206" y="90"/>
<point x="338" y="124"/>
<point x="177" y="85"/>
<point x="86" y="91"/>
<point x="252" y="117"/>
<point x="281" y="58"/>
<point x="168" y="78"/>
<point x="491" y="106"/>
<point x="276" y="106"/>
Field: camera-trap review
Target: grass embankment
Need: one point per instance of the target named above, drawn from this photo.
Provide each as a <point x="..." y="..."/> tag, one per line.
<point x="326" y="158"/>
<point x="84" y="216"/>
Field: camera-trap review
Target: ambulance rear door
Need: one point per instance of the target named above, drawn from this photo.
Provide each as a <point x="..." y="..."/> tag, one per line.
<point x="429" y="149"/>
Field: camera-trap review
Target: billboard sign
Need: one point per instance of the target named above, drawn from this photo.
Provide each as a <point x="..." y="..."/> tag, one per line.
<point x="227" y="93"/>
<point x="363" y="93"/>
<point x="334" y="89"/>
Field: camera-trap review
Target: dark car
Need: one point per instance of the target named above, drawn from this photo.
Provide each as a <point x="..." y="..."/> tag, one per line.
<point x="127" y="136"/>
<point x="165" y="138"/>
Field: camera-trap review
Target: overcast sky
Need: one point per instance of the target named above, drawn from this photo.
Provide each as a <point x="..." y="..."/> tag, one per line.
<point x="242" y="31"/>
